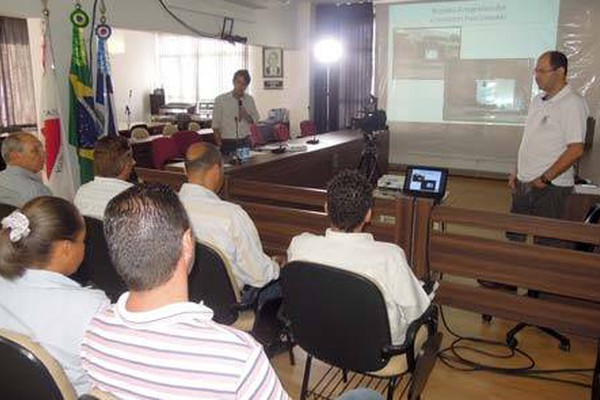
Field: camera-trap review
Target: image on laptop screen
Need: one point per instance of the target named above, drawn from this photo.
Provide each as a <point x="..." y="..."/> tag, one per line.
<point x="426" y="181"/>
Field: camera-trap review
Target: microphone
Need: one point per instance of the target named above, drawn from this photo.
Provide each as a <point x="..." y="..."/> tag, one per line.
<point x="236" y="154"/>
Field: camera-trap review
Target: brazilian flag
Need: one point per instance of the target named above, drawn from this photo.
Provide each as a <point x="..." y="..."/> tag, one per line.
<point x="83" y="122"/>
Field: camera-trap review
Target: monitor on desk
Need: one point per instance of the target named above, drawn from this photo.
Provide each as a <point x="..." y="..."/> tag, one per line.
<point x="426" y="182"/>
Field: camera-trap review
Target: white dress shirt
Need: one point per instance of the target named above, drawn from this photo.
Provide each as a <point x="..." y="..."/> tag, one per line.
<point x="228" y="227"/>
<point x="551" y="125"/>
<point x="383" y="263"/>
<point x="93" y="197"/>
<point x="226" y="110"/>
<point x="53" y="311"/>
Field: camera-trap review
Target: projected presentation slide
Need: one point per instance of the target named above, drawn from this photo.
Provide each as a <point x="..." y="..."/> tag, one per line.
<point x="466" y="61"/>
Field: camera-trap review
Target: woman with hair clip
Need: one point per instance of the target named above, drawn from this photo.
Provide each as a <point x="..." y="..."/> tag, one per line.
<point x="40" y="245"/>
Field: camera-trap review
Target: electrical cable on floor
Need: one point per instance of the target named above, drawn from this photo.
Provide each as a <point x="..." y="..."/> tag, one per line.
<point x="450" y="357"/>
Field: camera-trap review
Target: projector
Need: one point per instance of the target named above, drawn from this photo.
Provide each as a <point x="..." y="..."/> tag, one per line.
<point x="391" y="182"/>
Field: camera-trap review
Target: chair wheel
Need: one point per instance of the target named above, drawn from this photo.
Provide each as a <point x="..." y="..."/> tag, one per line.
<point x="566" y="347"/>
<point x="486" y="318"/>
<point x="512" y="342"/>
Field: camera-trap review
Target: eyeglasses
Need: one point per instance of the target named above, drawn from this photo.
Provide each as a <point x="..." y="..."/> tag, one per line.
<point x="544" y="71"/>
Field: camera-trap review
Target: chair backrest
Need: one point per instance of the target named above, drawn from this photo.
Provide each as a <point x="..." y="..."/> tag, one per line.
<point x="29" y="371"/>
<point x="139" y="133"/>
<point x="256" y="136"/>
<point x="592" y="217"/>
<point x="308" y="128"/>
<point x="184" y="139"/>
<point x="282" y="132"/>
<point x="97" y="267"/>
<point x="194" y="126"/>
<point x="169" y="129"/>
<point x="6" y="209"/>
<point x="336" y="315"/>
<point x="163" y="150"/>
<point x="212" y="282"/>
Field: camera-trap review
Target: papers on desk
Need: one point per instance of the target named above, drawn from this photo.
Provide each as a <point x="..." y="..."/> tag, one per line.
<point x="587" y="189"/>
<point x="291" y="147"/>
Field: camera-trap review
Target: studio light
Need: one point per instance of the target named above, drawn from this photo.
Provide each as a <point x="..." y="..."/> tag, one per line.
<point x="328" y="51"/>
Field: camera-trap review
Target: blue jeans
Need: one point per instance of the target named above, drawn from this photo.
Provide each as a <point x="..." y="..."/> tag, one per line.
<point x="361" y="394"/>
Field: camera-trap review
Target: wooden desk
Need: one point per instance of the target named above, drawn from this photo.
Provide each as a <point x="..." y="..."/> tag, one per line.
<point x="314" y="167"/>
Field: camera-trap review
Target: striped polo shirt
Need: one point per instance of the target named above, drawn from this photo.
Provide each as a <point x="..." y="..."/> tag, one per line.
<point x="175" y="352"/>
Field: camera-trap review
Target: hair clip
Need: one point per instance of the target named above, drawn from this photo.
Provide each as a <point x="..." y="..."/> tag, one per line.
<point x="18" y="224"/>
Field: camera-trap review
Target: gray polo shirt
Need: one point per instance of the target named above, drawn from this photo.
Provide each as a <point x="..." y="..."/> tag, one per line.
<point x="226" y="110"/>
<point x="18" y="186"/>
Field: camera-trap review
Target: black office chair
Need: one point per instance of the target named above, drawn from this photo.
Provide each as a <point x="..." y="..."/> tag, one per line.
<point x="341" y="318"/>
<point x="6" y="209"/>
<point x="592" y="217"/>
<point x="211" y="281"/>
<point x="29" y="372"/>
<point x="97" y="269"/>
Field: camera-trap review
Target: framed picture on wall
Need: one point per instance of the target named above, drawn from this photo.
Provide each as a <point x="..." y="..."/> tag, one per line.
<point x="272" y="62"/>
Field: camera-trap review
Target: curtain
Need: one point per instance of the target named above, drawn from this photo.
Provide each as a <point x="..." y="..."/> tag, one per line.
<point x="196" y="69"/>
<point x="17" y="99"/>
<point x="350" y="80"/>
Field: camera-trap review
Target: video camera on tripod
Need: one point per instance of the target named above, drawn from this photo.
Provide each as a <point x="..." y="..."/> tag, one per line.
<point x="372" y="120"/>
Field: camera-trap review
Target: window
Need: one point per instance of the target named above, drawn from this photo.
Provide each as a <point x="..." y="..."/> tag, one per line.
<point x="193" y="69"/>
<point x="17" y="100"/>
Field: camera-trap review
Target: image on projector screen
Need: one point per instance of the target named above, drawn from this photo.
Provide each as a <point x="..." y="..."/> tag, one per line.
<point x="422" y="53"/>
<point x="488" y="90"/>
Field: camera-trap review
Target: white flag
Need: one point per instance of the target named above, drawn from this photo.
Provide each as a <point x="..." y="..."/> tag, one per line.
<point x="61" y="158"/>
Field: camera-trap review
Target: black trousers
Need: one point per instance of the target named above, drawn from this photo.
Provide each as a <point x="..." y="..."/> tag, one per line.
<point x="548" y="202"/>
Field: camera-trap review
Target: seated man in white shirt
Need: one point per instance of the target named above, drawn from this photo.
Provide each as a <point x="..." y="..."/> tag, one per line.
<point x="20" y="181"/>
<point x="346" y="246"/>
<point x="220" y="223"/>
<point x="113" y="164"/>
<point x="154" y="343"/>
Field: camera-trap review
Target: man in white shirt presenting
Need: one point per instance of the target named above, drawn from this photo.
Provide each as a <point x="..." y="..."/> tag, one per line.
<point x="113" y="165"/>
<point x="552" y="142"/>
<point x="346" y="246"/>
<point x="220" y="223"/>
<point x="233" y="114"/>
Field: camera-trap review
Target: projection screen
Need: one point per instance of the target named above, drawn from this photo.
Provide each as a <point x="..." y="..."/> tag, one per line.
<point x="456" y="77"/>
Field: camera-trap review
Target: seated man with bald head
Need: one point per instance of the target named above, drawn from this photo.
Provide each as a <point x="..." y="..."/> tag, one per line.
<point x="223" y="224"/>
<point x="20" y="181"/>
<point x="113" y="165"/>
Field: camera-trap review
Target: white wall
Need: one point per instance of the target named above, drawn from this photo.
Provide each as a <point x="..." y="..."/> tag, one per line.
<point x="135" y="69"/>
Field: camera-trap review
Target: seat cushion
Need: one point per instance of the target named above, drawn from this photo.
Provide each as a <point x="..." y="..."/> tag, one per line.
<point x="245" y="321"/>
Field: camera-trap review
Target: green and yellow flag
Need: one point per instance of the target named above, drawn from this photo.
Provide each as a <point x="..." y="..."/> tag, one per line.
<point x="83" y="123"/>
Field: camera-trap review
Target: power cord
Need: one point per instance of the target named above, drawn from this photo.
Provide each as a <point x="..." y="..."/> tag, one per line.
<point x="452" y="358"/>
<point x="185" y="24"/>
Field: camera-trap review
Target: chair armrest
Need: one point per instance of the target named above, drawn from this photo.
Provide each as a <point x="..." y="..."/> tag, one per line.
<point x="429" y="318"/>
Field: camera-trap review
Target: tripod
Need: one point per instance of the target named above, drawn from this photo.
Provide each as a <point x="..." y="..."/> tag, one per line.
<point x="369" y="160"/>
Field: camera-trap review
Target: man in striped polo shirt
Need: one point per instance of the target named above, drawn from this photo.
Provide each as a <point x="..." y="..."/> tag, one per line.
<point x="154" y="343"/>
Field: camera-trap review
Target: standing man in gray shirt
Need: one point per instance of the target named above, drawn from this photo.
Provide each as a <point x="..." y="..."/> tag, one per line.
<point x="234" y="112"/>
<point x="551" y="145"/>
<point x="20" y="181"/>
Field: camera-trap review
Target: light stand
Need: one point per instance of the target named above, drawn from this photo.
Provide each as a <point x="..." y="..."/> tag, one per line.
<point x="328" y="51"/>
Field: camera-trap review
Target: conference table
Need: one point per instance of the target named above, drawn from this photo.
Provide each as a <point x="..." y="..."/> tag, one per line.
<point x="306" y="165"/>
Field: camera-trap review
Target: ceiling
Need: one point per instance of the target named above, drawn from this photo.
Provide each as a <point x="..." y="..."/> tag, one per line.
<point x="264" y="4"/>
